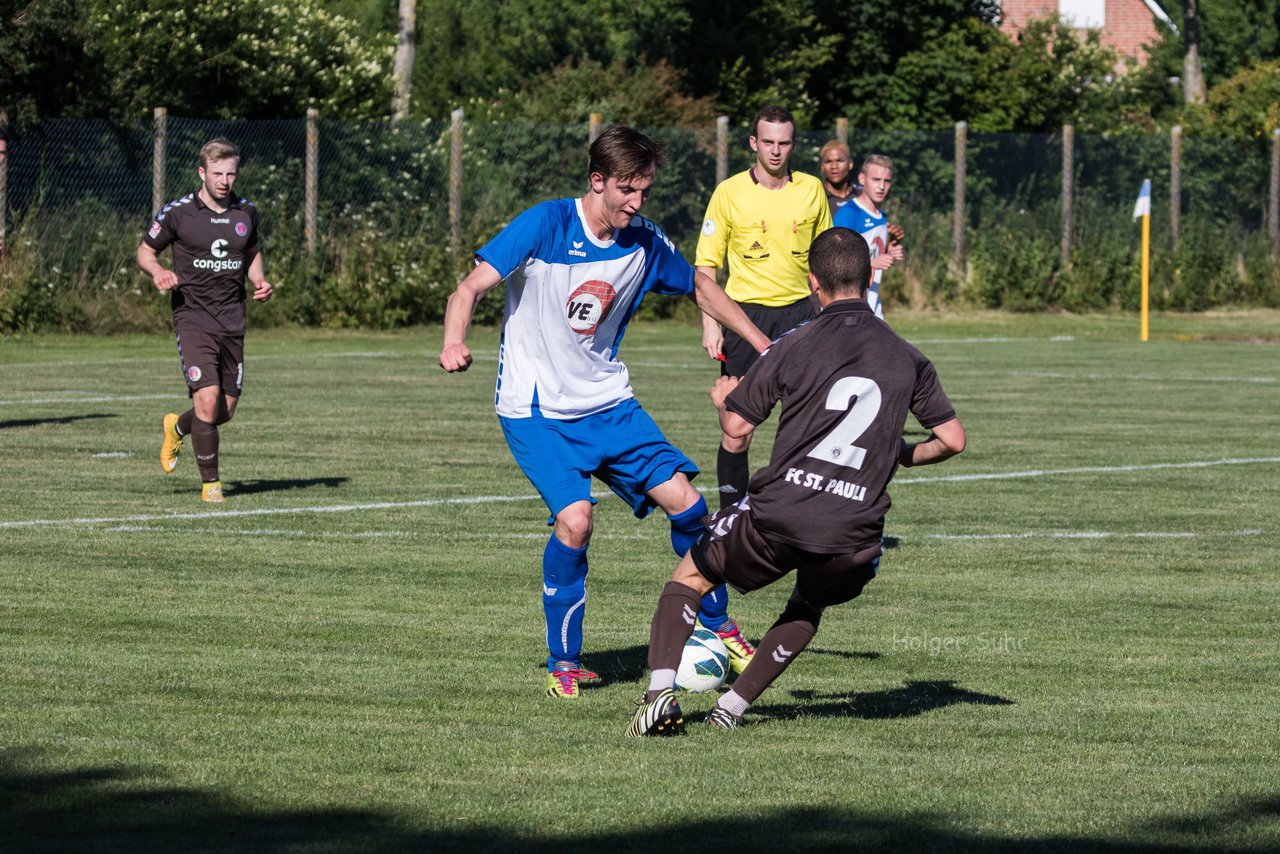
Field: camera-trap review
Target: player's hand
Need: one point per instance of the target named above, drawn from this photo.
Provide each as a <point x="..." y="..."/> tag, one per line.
<point x="722" y="388"/>
<point x="896" y="232"/>
<point x="164" y="280"/>
<point x="713" y="341"/>
<point x="455" y="358"/>
<point x="262" y="290"/>
<point x="883" y="261"/>
<point x="896" y="252"/>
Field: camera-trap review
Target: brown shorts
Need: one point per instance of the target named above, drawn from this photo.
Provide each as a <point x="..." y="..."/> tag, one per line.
<point x="739" y="356"/>
<point x="733" y="550"/>
<point x="211" y="360"/>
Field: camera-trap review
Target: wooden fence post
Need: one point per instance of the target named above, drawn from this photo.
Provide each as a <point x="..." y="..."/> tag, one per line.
<point x="1175" y="184"/>
<point x="4" y="180"/>
<point x="593" y="128"/>
<point x="722" y="149"/>
<point x="958" y="266"/>
<point x="1273" y="206"/>
<point x="455" y="180"/>
<point x="159" y="148"/>
<point x="842" y="130"/>
<point x="1068" y="191"/>
<point x="311" y="181"/>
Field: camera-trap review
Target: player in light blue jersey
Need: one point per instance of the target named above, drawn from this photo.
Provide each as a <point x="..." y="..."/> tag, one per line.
<point x="576" y="271"/>
<point x="864" y="216"/>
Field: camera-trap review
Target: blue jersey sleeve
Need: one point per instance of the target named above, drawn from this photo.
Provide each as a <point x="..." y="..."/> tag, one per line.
<point x="846" y="217"/>
<point x="669" y="273"/>
<point x="520" y="240"/>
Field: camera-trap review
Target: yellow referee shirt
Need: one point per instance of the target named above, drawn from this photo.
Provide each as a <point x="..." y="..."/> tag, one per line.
<point x="766" y="236"/>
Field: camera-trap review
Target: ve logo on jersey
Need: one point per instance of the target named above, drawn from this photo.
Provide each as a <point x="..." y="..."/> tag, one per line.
<point x="219" y="248"/>
<point x="588" y="305"/>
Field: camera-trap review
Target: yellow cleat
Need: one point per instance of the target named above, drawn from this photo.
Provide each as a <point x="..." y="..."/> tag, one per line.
<point x="740" y="649"/>
<point x="212" y="491"/>
<point x="172" y="444"/>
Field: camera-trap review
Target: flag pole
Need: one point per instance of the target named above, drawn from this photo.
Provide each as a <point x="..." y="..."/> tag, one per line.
<point x="1146" y="270"/>
<point x="1142" y="208"/>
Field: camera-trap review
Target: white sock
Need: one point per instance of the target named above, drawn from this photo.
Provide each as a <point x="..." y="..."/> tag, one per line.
<point x="661" y="680"/>
<point x="732" y="703"/>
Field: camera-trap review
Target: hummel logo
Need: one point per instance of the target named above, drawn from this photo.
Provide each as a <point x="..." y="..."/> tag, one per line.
<point x="781" y="654"/>
<point x="690" y="616"/>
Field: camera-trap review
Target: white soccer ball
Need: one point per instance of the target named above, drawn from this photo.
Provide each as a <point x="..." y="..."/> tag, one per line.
<point x="704" y="664"/>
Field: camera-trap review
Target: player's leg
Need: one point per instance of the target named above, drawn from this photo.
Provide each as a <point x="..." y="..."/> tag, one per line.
<point x="554" y="466"/>
<point x="821" y="582"/>
<point x="206" y="402"/>
<point x="786" y="639"/>
<point x="733" y="468"/>
<point x="687" y="525"/>
<point x="658" y="712"/>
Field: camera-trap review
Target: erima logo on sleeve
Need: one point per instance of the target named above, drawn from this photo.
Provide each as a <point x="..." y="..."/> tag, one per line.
<point x="577" y="249"/>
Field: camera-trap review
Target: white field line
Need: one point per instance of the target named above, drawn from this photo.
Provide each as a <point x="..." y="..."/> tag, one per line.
<point x="1094" y="535"/>
<point x="1064" y="375"/>
<point x="110" y="398"/>
<point x="494" y="499"/>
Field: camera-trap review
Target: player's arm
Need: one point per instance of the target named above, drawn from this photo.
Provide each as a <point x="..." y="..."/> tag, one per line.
<point x="262" y="289"/>
<point x="713" y="301"/>
<point x="163" y="278"/>
<point x="945" y="441"/>
<point x="712" y="335"/>
<point x="460" y="308"/>
<point x="733" y="424"/>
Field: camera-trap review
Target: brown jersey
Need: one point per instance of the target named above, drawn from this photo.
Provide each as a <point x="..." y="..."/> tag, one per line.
<point x="211" y="256"/>
<point x="846" y="382"/>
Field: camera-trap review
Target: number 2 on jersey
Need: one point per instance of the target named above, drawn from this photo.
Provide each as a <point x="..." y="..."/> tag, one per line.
<point x="861" y="398"/>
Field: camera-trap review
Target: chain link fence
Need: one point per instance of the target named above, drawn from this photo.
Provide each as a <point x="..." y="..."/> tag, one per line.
<point x="387" y="245"/>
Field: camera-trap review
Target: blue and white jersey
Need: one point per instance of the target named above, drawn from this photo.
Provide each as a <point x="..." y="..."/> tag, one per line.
<point x="874" y="228"/>
<point x="570" y="296"/>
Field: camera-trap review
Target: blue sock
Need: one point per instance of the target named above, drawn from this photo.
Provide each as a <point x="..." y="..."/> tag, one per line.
<point x="688" y="526"/>
<point x="564" y="600"/>
<point x="715" y="608"/>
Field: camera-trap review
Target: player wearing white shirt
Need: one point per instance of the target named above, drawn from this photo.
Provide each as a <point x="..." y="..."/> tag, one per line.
<point x="576" y="271"/>
<point x="864" y="216"/>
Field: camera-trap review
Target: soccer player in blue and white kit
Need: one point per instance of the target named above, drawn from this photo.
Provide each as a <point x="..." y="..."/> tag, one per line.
<point x="576" y="270"/>
<point x="864" y="216"/>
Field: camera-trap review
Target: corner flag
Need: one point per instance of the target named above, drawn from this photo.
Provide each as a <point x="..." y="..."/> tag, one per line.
<point x="1142" y="207"/>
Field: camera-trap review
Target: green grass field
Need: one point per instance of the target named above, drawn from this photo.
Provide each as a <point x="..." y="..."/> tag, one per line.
<point x="1071" y="646"/>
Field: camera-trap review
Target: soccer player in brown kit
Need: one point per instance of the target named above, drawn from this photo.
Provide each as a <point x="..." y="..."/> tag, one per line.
<point x="214" y="234"/>
<point x="846" y="382"/>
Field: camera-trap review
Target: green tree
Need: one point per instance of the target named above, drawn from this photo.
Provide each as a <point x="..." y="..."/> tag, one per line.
<point x="42" y="60"/>
<point x="237" y="58"/>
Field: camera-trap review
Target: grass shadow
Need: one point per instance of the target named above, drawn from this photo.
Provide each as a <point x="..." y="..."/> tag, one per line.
<point x="912" y="699"/>
<point x="132" y="809"/>
<point x="66" y="419"/>
<point x="249" y="487"/>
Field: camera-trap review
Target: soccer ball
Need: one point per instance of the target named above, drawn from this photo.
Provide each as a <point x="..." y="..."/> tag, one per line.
<point x="704" y="664"/>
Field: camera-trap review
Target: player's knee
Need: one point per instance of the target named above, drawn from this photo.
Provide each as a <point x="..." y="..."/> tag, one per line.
<point x="573" y="525"/>
<point x="799" y="612"/>
<point x="687" y="526"/>
<point x="736" y="444"/>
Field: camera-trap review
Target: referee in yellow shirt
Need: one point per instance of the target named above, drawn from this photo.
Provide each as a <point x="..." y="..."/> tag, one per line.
<point x="763" y="220"/>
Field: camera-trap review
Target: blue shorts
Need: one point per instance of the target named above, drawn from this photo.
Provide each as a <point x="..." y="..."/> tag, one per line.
<point x="622" y="446"/>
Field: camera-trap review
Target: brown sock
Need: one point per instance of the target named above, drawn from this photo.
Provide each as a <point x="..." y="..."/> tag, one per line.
<point x="184" y="422"/>
<point x="672" y="624"/>
<point x="777" y="649"/>
<point x="204" y="441"/>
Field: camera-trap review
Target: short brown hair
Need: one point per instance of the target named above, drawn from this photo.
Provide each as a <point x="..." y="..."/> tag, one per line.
<point x="772" y="113"/>
<point x="877" y="160"/>
<point x="622" y="152"/>
<point x="841" y="262"/>
<point x="220" y="148"/>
